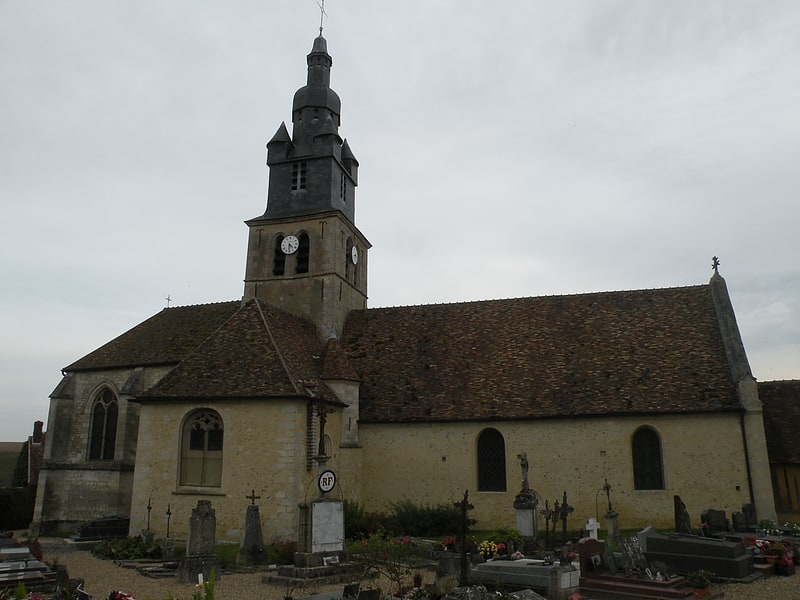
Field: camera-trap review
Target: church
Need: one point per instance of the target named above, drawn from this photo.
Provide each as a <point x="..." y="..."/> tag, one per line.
<point x="650" y="389"/>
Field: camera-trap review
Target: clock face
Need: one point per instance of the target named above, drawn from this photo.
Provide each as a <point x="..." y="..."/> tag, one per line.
<point x="290" y="244"/>
<point x="354" y="255"/>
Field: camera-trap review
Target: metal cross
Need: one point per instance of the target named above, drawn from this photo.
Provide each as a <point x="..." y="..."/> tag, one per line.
<point x="168" y="299"/>
<point x="322" y="14"/>
<point x="563" y="512"/>
<point x="607" y="490"/>
<point x="252" y="497"/>
<point x="715" y="264"/>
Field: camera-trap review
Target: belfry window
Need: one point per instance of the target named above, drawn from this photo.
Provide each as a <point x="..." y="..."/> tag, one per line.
<point x="298" y="176"/>
<point x="201" y="449"/>
<point x="103" y="435"/>
<point x="279" y="260"/>
<point x="343" y="188"/>
<point x="648" y="469"/>
<point x="491" y="461"/>
<point x="301" y="266"/>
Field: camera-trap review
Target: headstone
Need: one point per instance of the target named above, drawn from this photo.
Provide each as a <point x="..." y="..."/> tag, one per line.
<point x="251" y="552"/>
<point x="200" y="558"/>
<point x="749" y="511"/>
<point x="739" y="522"/>
<point x="556" y="582"/>
<point x="202" y="530"/>
<point x="683" y="523"/>
<point x="716" y="520"/>
<point x="592" y="526"/>
<point x="590" y="556"/>
<point x="691" y="553"/>
<point x="612" y="527"/>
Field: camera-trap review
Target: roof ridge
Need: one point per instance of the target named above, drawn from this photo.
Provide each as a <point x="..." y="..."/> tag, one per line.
<point x="567" y="295"/>
<point x="277" y="348"/>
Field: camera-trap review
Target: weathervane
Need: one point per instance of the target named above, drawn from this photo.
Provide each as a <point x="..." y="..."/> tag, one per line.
<point x="715" y="264"/>
<point x="322" y="14"/>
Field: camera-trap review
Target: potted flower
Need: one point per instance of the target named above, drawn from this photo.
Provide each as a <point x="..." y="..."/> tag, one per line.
<point x="774" y="551"/>
<point x="487" y="550"/>
<point x="700" y="582"/>
<point x="784" y="566"/>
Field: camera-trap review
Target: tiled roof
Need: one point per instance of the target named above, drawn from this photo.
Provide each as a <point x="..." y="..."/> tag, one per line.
<point x="260" y="352"/>
<point x="781" y="401"/>
<point x="335" y="364"/>
<point x="165" y="338"/>
<point x="630" y="352"/>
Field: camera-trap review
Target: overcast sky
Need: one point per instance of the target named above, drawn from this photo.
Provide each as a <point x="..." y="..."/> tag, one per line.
<point x="515" y="148"/>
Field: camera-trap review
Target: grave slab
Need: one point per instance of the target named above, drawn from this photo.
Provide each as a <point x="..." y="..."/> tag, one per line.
<point x="553" y="581"/>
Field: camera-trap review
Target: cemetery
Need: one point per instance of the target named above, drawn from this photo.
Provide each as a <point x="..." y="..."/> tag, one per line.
<point x="551" y="553"/>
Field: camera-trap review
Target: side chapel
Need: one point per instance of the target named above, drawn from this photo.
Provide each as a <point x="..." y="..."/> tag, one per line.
<point x="650" y="389"/>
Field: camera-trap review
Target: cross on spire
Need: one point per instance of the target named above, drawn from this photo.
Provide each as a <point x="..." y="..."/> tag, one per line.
<point x="168" y="299"/>
<point x="252" y="497"/>
<point x="715" y="264"/>
<point x="322" y="14"/>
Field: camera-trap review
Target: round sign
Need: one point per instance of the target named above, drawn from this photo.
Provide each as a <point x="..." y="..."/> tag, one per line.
<point x="326" y="481"/>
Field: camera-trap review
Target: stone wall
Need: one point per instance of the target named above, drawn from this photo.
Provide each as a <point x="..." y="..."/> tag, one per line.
<point x="703" y="460"/>
<point x="265" y="449"/>
<point x="71" y="488"/>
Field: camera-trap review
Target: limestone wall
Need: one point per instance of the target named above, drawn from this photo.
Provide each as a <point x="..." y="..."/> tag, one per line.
<point x="265" y="449"/>
<point x="71" y="488"/>
<point x="703" y="460"/>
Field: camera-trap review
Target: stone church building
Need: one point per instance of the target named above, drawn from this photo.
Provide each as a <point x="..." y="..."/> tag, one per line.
<point x="650" y="389"/>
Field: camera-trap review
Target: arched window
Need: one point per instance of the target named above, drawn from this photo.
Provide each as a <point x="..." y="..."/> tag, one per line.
<point x="491" y="461"/>
<point x="103" y="436"/>
<point x="279" y="260"/>
<point x="302" y="254"/>
<point x="201" y="449"/>
<point x="648" y="469"/>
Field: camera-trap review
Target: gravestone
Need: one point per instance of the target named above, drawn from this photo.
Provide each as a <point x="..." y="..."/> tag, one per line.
<point x="200" y="558"/>
<point x="683" y="522"/>
<point x="685" y="553"/>
<point x="602" y="576"/>
<point x="739" y="522"/>
<point x="251" y="552"/>
<point x="716" y="520"/>
<point x="556" y="582"/>
<point x="591" y="527"/>
<point x="749" y="511"/>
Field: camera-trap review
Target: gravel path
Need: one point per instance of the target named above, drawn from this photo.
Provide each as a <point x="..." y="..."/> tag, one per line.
<point x="102" y="576"/>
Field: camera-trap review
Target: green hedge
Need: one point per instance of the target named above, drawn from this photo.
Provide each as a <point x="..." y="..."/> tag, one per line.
<point x="16" y="507"/>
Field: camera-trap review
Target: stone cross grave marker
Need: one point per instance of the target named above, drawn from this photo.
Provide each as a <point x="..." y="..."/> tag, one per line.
<point x="592" y="526"/>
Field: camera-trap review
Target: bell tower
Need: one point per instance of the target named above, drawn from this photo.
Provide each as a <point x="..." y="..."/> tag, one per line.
<point x="305" y="254"/>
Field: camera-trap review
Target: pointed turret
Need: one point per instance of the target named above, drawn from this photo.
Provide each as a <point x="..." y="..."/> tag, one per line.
<point x="308" y="173"/>
<point x="305" y="253"/>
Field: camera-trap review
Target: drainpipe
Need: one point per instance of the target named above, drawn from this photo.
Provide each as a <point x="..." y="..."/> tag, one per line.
<point x="747" y="459"/>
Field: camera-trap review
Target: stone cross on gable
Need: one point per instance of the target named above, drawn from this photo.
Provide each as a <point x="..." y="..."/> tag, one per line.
<point x="252" y="497"/>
